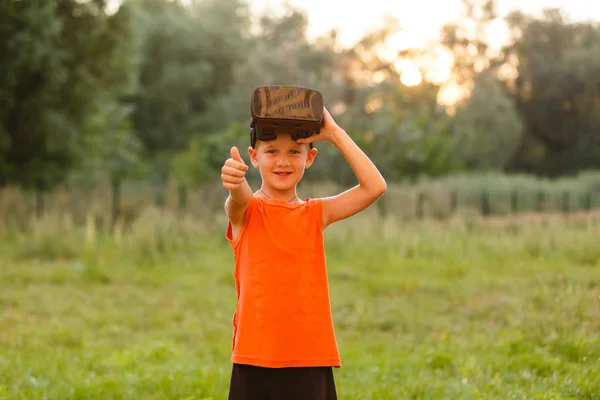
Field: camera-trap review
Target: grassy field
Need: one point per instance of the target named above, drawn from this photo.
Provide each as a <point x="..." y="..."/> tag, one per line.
<point x="453" y="310"/>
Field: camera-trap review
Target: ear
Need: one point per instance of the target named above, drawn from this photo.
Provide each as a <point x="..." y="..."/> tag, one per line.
<point x="312" y="153"/>
<point x="253" y="156"/>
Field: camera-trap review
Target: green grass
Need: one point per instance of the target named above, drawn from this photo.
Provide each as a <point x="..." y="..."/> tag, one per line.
<point x="422" y="311"/>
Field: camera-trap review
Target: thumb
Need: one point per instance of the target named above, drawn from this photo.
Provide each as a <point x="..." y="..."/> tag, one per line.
<point x="235" y="154"/>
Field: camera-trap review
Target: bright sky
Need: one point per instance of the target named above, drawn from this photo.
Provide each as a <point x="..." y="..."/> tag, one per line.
<point x="421" y="18"/>
<point x="421" y="21"/>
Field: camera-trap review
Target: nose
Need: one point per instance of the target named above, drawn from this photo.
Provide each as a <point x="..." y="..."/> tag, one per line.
<point x="283" y="159"/>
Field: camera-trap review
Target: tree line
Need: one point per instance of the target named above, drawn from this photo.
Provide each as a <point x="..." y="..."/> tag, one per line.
<point x="159" y="90"/>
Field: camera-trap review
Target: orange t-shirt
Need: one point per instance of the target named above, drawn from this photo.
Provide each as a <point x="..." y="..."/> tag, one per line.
<point x="283" y="313"/>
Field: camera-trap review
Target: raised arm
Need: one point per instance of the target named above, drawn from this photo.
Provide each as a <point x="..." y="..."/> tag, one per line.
<point x="233" y="176"/>
<point x="371" y="184"/>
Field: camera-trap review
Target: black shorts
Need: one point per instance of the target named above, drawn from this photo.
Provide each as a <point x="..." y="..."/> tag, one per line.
<point x="299" y="383"/>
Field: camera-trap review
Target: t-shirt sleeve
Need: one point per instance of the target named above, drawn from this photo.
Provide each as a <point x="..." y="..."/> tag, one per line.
<point x="247" y="215"/>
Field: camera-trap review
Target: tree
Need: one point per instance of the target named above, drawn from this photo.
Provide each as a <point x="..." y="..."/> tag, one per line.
<point x="467" y="39"/>
<point x="557" y="92"/>
<point x="487" y="127"/>
<point x="186" y="62"/>
<point x="553" y="83"/>
<point x="60" y="59"/>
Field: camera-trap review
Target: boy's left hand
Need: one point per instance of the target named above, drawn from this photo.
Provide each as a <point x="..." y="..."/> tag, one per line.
<point x="328" y="131"/>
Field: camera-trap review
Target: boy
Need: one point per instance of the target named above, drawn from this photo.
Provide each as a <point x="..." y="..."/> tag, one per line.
<point x="284" y="346"/>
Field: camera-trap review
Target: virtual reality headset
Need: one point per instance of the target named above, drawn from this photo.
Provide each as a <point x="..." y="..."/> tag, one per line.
<point x="293" y="110"/>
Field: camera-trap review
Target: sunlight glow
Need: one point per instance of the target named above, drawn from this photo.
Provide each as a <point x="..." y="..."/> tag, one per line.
<point x="438" y="74"/>
<point x="420" y="22"/>
<point x="112" y="6"/>
<point x="398" y="42"/>
<point x="434" y="66"/>
<point x="379" y="76"/>
<point x="451" y="93"/>
<point x="411" y="76"/>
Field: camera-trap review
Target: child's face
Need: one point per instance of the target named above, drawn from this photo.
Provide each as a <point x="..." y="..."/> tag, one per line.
<point x="281" y="161"/>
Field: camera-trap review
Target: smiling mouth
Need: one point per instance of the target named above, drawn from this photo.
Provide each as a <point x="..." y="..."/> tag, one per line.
<point x="283" y="173"/>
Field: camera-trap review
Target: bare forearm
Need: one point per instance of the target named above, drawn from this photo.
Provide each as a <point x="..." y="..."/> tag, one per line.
<point x="369" y="177"/>
<point x="237" y="201"/>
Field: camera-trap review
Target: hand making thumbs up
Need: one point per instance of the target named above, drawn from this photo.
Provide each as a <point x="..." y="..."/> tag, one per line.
<point x="233" y="173"/>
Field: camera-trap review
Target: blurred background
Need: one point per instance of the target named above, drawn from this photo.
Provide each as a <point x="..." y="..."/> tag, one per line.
<point x="490" y="107"/>
<point x="474" y="277"/>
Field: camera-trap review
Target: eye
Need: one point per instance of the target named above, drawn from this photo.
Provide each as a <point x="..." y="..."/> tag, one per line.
<point x="295" y="151"/>
<point x="271" y="151"/>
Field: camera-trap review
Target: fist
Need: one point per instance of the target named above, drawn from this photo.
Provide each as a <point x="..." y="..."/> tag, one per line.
<point x="233" y="173"/>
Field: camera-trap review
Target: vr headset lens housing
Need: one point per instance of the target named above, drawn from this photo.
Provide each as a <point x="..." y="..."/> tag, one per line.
<point x="293" y="110"/>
